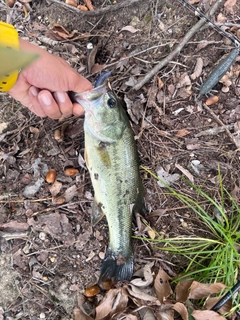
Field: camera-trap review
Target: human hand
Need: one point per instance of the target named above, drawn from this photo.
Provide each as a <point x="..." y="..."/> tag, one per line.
<point x="42" y="87"/>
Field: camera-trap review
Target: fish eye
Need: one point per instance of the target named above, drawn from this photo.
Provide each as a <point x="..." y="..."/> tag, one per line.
<point x="111" y="103"/>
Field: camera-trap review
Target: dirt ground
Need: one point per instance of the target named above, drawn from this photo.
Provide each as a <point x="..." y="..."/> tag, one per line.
<point x="49" y="251"/>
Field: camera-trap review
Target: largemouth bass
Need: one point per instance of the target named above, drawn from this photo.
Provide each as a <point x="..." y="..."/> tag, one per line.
<point x="112" y="160"/>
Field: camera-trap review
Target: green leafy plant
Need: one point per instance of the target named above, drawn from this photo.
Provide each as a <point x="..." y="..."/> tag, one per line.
<point x="215" y="258"/>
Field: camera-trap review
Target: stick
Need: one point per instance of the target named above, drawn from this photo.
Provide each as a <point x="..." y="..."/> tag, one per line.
<point x="97" y="12"/>
<point x="178" y="48"/>
<point x="221" y="124"/>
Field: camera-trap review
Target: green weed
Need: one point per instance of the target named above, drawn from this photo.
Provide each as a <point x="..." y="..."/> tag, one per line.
<point x="214" y="259"/>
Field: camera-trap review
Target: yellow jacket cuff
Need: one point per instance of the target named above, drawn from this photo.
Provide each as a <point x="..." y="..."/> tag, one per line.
<point x="8" y="38"/>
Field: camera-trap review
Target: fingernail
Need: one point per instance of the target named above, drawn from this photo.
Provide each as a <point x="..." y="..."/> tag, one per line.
<point x="61" y="97"/>
<point x="34" y="91"/>
<point x="45" y="99"/>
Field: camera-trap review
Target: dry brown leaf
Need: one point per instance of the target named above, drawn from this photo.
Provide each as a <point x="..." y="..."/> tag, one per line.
<point x="193" y="1"/>
<point x="198" y="69"/>
<point x="199" y="290"/>
<point x="171" y="89"/>
<point x="235" y="193"/>
<point x="145" y="276"/>
<point x="229" y="4"/>
<point x="105" y="307"/>
<point x="224" y="309"/>
<point x="130" y="29"/>
<point x="221" y="18"/>
<point x="162" y="286"/>
<point x="146" y="314"/>
<point x="182" y="133"/>
<point x="206" y="315"/>
<point x="14" y="225"/>
<point x="55" y="188"/>
<point x="181" y="309"/>
<point x="70" y="193"/>
<point x="202" y="44"/>
<point x="185" y="172"/>
<point x="140" y="294"/>
<point x="160" y="83"/>
<point x="184" y="81"/>
<point x="97" y="67"/>
<point x="130" y="317"/>
<point x="58" y="32"/>
<point x="182" y="290"/>
<point x="166" y="314"/>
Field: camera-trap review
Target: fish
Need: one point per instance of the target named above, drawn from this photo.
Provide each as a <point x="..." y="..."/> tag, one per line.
<point x="112" y="160"/>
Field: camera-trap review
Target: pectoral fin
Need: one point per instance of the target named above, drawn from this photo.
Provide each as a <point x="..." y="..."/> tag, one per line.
<point x="97" y="213"/>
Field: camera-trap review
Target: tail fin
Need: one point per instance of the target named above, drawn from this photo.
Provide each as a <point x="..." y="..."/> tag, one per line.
<point x="117" y="267"/>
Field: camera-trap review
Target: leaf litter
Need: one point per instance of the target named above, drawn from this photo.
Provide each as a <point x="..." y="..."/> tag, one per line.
<point x="156" y="300"/>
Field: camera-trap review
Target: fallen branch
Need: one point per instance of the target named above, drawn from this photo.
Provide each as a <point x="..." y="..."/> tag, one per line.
<point x="107" y="9"/>
<point x="221" y="124"/>
<point x="178" y="48"/>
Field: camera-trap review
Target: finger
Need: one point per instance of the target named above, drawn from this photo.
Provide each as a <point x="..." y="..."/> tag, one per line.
<point x="33" y="103"/>
<point x="78" y="110"/>
<point x="49" y="105"/>
<point x="79" y="83"/>
<point x="64" y="103"/>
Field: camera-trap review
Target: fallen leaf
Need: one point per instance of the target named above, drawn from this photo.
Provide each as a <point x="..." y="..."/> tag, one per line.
<point x="146" y="314"/>
<point x="55" y="188"/>
<point x="182" y="133"/>
<point x="162" y="286"/>
<point x="224" y="309"/>
<point x="130" y="29"/>
<point x="140" y="294"/>
<point x="193" y="1"/>
<point x="70" y="193"/>
<point x="199" y="290"/>
<point x="229" y="4"/>
<point x="198" y="69"/>
<point x="221" y="18"/>
<point x="130" y="317"/>
<point x="58" y="32"/>
<point x="97" y="67"/>
<point x="145" y="276"/>
<point x="105" y="306"/>
<point x="115" y="301"/>
<point x="166" y="314"/>
<point x="3" y="126"/>
<point x="181" y="309"/>
<point x="184" y="81"/>
<point x="14" y="225"/>
<point x="182" y="290"/>
<point x="166" y="178"/>
<point x="207" y="315"/>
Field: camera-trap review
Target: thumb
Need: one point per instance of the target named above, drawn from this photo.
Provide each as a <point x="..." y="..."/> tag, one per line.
<point x="80" y="84"/>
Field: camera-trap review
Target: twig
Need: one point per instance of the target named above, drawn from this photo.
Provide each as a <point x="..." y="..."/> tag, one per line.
<point x="221" y="124"/>
<point x="178" y="48"/>
<point x="107" y="9"/>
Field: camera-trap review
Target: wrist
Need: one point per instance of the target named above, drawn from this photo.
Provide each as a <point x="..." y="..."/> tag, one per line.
<point x="8" y="38"/>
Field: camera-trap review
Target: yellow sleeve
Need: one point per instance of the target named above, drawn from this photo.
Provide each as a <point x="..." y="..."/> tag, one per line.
<point x="8" y="38"/>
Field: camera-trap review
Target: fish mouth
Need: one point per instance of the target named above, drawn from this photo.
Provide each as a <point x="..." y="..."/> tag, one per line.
<point x="87" y="98"/>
